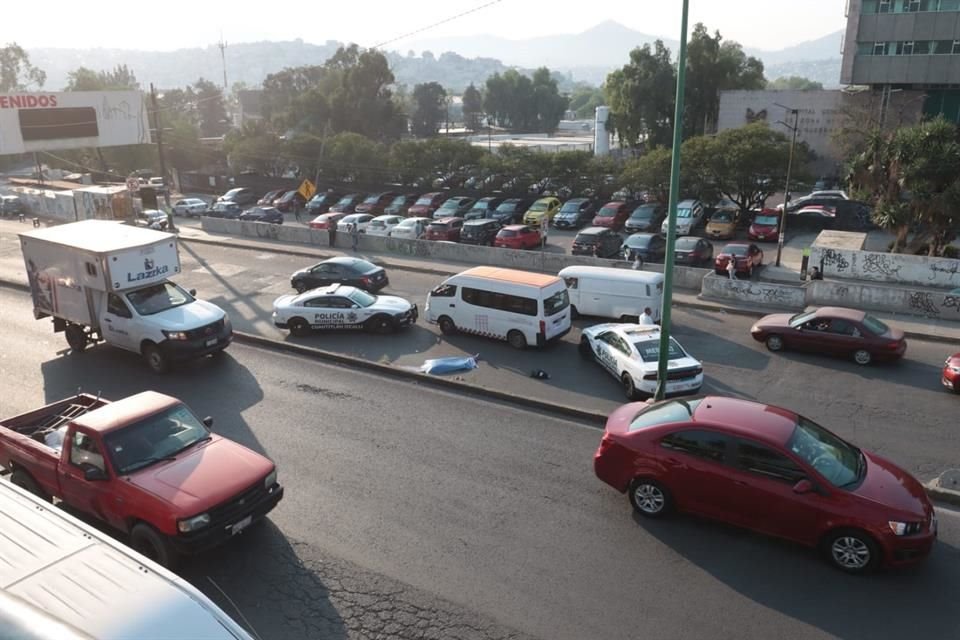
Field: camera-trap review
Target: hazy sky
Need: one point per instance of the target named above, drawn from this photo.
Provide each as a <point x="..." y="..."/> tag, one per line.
<point x="173" y="24"/>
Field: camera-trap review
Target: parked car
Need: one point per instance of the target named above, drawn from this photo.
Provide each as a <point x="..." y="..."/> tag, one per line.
<point x="518" y="236"/>
<point x="11" y="206"/>
<point x="479" y="231"/>
<point x="347" y="204"/>
<point x="400" y="205"/>
<point x="651" y="247"/>
<point x="155" y="219"/>
<point x="597" y="241"/>
<point x="544" y="207"/>
<point x="376" y="203"/>
<point x="289" y="202"/>
<point x="270" y="196"/>
<point x="382" y="225"/>
<point x="613" y="215"/>
<point x="832" y="330"/>
<point x="225" y="209"/>
<point x="511" y="210"/>
<point x="575" y="213"/>
<point x="262" y="214"/>
<point x="326" y="220"/>
<point x="689" y="217"/>
<point x="765" y="226"/>
<point x="444" y="229"/>
<point x="240" y="195"/>
<point x="630" y="353"/>
<point x="411" y="228"/>
<point x="951" y="373"/>
<point x="646" y="217"/>
<point x="361" y="220"/>
<point x="746" y="257"/>
<point x="427" y="204"/>
<point x="321" y="202"/>
<point x="339" y="306"/>
<point x="693" y="251"/>
<point x="454" y="207"/>
<point x="341" y="270"/>
<point x="190" y="207"/>
<point x="768" y="469"/>
<point x="483" y="208"/>
<point x="722" y="225"/>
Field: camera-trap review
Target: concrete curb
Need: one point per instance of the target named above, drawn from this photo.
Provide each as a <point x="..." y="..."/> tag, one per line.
<point x="938" y="494"/>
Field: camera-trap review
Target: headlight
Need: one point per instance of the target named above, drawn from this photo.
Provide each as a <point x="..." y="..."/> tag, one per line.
<point x="194" y="523"/>
<point x="898" y="528"/>
<point x="271" y="479"/>
<point x="176" y="335"/>
<point x="953" y="368"/>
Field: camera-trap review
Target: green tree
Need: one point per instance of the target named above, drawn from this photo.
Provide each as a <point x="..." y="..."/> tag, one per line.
<point x="420" y="159"/>
<point x="351" y="157"/>
<point x="548" y="103"/>
<point x="429" y="110"/>
<point x="794" y="83"/>
<point x="520" y="103"/>
<point x="254" y="147"/>
<point x="641" y="97"/>
<point x="211" y="110"/>
<point x="120" y="78"/>
<point x="651" y="171"/>
<point x="585" y="99"/>
<point x="472" y="108"/>
<point x="16" y="71"/>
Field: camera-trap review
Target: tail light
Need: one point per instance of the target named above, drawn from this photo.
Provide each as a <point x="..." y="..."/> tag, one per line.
<point x="893" y="345"/>
<point x="605" y="443"/>
<point x="543" y="328"/>
<point x="365" y="280"/>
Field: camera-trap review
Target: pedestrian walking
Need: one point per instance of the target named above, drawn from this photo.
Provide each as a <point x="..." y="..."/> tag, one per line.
<point x="732" y="268"/>
<point x="332" y="233"/>
<point x="637" y="261"/>
<point x="646" y="317"/>
<point x="296" y="210"/>
<point x="354" y="235"/>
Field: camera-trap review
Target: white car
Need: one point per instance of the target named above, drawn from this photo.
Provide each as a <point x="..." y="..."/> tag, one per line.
<point x="689" y="216"/>
<point x="359" y="219"/>
<point x="630" y="352"/>
<point x="411" y="228"/>
<point x="383" y="225"/>
<point x="338" y="306"/>
<point x="189" y="207"/>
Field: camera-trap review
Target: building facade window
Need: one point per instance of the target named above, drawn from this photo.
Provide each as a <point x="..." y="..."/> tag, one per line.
<point x="909" y="6"/>
<point x="909" y="48"/>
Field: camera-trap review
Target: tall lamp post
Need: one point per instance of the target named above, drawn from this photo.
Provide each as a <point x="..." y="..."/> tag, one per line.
<point x="664" y="355"/>
<point x="786" y="187"/>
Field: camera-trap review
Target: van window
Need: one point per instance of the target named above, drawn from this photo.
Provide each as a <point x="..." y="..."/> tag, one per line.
<point x="501" y="301"/>
<point x="445" y="291"/>
<point x="556" y="303"/>
<point x="572" y="283"/>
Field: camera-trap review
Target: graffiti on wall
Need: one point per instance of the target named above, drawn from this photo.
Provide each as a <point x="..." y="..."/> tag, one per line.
<point x="922" y="302"/>
<point x="880" y="264"/>
<point x="835" y="259"/>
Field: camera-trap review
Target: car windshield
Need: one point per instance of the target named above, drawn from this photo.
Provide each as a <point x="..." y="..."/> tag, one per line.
<point x="398" y="201"/>
<point x="362" y="266"/>
<point x="570" y="207"/>
<point x="155" y="438"/>
<point x="686" y="244"/>
<point x="362" y="298"/>
<point x="875" y="326"/>
<point x="841" y="463"/>
<point x="642" y="213"/>
<point x="345" y="200"/>
<point x="801" y="318"/>
<point x="722" y="216"/>
<point x="409" y="222"/>
<point x="650" y="350"/>
<point x="556" y="303"/>
<point x="585" y="238"/>
<point x="425" y="201"/>
<point x="607" y="212"/>
<point x="450" y="204"/>
<point x="768" y="221"/>
<point x="538" y="206"/>
<point x="378" y="223"/>
<point x="665" y="413"/>
<point x="685" y="212"/>
<point x="507" y="233"/>
<point x="158" y="297"/>
<point x="735" y="249"/>
<point x="372" y="199"/>
<point x="638" y="242"/>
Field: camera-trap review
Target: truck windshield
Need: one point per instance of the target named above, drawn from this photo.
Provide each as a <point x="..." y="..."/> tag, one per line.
<point x="158" y="297"/>
<point x="157" y="437"/>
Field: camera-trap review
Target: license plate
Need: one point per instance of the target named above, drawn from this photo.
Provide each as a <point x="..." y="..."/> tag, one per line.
<point x="241" y="525"/>
<point x="211" y="342"/>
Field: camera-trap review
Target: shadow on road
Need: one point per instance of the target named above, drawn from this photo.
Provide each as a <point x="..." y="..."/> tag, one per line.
<point x="911" y="373"/>
<point x="712" y="347"/>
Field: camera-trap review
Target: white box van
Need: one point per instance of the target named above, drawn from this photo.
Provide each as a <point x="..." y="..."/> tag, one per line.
<point x="613" y="293"/>
<point x="520" y="307"/>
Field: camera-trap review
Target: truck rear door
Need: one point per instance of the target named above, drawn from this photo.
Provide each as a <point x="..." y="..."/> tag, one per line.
<point x="85" y="479"/>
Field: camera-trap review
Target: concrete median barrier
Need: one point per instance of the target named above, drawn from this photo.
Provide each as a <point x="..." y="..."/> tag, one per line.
<point x="876" y="297"/>
<point x="762" y="294"/>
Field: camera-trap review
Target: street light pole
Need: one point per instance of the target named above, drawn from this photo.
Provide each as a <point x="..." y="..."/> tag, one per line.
<point x="786" y="187"/>
<point x="664" y="355"/>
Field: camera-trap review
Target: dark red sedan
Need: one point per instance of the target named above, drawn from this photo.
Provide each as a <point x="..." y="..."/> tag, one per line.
<point x="951" y="373"/>
<point x="771" y="470"/>
<point x="613" y="215"/>
<point x="746" y="257"/>
<point x="832" y="330"/>
<point x="518" y="236"/>
<point x="444" y="229"/>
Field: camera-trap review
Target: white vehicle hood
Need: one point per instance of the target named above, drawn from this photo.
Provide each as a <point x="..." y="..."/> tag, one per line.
<point x="391" y="304"/>
<point x="188" y="316"/>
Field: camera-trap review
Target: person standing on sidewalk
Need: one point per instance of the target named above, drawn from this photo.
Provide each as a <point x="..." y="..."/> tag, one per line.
<point x="332" y="233"/>
<point x="732" y="268"/>
<point x="354" y="235"/>
<point x="296" y="210"/>
<point x="647" y="317"/>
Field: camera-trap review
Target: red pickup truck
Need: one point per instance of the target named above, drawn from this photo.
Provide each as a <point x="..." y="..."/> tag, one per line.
<point x="144" y="465"/>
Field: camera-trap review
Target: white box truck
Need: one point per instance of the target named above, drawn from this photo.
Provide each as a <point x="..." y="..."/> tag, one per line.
<point x="61" y="579"/>
<point x="103" y="280"/>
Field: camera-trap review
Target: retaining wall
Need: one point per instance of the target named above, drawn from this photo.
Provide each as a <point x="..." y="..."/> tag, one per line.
<point x="766" y="294"/>
<point x="872" y="297"/>
<point x="889" y="268"/>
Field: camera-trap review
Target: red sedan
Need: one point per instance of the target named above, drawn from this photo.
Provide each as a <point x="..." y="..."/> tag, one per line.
<point x="444" y="229"/>
<point x="771" y="470"/>
<point x="747" y="257"/>
<point x="951" y="373"/>
<point x="832" y="330"/>
<point x="613" y="215"/>
<point x="326" y="220"/>
<point x="518" y="236"/>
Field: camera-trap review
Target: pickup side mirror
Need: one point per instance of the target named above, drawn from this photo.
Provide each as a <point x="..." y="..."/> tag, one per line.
<point x="193" y="292"/>
<point x="803" y="486"/>
<point x="208" y="422"/>
<point x="94" y="474"/>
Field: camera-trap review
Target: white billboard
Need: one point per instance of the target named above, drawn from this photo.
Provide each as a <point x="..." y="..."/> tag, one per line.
<point x="71" y="120"/>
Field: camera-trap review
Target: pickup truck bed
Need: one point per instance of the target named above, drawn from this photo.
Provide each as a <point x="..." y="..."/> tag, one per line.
<point x="38" y="423"/>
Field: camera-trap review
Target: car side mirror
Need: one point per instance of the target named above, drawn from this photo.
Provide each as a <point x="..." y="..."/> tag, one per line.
<point x="94" y="474"/>
<point x="803" y="486"/>
<point x="208" y="422"/>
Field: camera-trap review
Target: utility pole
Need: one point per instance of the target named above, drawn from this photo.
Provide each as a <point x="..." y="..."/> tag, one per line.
<point x="664" y="356"/>
<point x="786" y="187"/>
<point x="223" y="59"/>
<point x="323" y="144"/>
<point x="163" y="161"/>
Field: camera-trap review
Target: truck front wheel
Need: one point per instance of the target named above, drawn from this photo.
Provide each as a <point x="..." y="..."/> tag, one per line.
<point x="148" y="541"/>
<point x="76" y="337"/>
<point x="25" y="481"/>
<point x="155" y="359"/>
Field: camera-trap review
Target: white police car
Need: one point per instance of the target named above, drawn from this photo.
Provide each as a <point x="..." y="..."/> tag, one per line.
<point x="339" y="306"/>
<point x="630" y="352"/>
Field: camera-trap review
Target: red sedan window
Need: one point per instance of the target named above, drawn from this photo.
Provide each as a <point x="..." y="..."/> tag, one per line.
<point x="665" y="413"/>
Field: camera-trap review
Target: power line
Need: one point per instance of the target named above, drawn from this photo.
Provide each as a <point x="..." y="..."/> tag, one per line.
<point x="437" y="24"/>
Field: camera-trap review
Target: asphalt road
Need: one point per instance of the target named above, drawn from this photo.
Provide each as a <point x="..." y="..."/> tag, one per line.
<point x="414" y="513"/>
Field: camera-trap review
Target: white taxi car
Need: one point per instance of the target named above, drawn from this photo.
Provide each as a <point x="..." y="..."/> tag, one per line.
<point x="339" y="306"/>
<point x="630" y="352"/>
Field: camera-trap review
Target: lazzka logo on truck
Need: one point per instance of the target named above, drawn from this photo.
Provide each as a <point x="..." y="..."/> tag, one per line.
<point x="150" y="271"/>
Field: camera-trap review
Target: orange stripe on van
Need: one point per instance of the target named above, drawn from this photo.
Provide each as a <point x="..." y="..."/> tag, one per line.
<point x="512" y="275"/>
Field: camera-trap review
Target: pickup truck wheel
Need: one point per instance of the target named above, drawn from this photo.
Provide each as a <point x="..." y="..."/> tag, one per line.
<point x="155" y="359"/>
<point x="76" y="337"/>
<point x="25" y="481"/>
<point x="148" y="541"/>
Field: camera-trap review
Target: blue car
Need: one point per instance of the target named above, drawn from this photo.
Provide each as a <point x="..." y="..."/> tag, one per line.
<point x="262" y="214"/>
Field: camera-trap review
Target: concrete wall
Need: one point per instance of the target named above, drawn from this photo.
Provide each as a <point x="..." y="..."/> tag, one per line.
<point x="766" y="294"/>
<point x="871" y="297"/>
<point x="890" y="268"/>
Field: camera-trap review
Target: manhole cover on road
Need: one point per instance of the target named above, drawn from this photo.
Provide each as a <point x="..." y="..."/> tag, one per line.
<point x="950" y="479"/>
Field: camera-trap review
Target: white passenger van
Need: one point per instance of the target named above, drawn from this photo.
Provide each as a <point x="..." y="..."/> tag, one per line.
<point x="607" y="292"/>
<point x="520" y="307"/>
